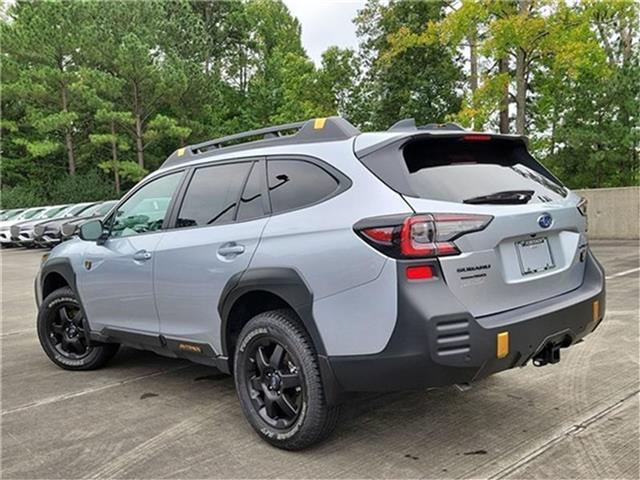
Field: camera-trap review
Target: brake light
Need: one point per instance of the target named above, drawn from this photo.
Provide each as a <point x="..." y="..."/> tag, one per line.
<point x="477" y="138"/>
<point x="419" y="236"/>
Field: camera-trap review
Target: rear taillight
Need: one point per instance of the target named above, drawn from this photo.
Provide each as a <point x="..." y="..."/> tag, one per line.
<point x="419" y="236"/>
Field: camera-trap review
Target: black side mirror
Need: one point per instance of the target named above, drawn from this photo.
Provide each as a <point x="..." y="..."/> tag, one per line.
<point x="91" y="230"/>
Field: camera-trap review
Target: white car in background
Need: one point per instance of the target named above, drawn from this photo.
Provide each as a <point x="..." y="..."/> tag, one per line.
<point x="5" y="226"/>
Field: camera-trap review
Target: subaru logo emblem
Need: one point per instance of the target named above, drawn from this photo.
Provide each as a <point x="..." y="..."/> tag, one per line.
<point x="545" y="220"/>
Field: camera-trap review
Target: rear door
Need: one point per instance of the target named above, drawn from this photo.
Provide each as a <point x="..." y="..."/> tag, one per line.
<point x="533" y="248"/>
<point x="216" y="231"/>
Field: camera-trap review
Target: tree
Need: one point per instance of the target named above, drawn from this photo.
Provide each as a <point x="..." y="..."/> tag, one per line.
<point x="421" y="81"/>
<point x="44" y="38"/>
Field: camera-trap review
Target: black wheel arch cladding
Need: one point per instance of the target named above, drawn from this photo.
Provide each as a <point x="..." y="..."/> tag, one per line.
<point x="57" y="266"/>
<point x="284" y="283"/>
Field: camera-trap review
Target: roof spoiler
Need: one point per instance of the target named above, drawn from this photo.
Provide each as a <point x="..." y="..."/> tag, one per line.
<point x="409" y="125"/>
<point x="315" y="130"/>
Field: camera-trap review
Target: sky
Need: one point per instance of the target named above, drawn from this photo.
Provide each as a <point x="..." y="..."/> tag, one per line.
<point x="325" y="23"/>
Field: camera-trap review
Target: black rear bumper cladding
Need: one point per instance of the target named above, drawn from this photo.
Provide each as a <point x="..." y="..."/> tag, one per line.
<point x="436" y="342"/>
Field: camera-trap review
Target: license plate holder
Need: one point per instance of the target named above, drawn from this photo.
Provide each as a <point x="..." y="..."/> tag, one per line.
<point x="534" y="255"/>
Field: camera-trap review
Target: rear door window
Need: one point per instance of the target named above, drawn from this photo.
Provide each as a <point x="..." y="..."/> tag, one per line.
<point x="295" y="184"/>
<point x="213" y="194"/>
<point x="251" y="202"/>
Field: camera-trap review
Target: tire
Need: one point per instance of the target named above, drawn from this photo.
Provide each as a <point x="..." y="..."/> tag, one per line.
<point x="265" y="384"/>
<point x="62" y="337"/>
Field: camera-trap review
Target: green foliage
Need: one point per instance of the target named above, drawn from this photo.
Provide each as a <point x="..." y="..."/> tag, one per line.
<point x="421" y="81"/>
<point x="128" y="171"/>
<point x="67" y="189"/>
<point x="97" y="94"/>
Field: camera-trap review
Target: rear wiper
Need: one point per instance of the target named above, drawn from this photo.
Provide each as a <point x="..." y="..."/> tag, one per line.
<point x="508" y="197"/>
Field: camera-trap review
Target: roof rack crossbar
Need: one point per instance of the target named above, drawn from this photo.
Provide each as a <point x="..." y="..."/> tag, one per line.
<point x="265" y="133"/>
<point x="314" y="130"/>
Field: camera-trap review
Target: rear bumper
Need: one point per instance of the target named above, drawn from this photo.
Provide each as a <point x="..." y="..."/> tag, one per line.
<point x="436" y="342"/>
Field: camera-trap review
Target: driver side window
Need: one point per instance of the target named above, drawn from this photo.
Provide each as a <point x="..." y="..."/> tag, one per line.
<point x="145" y="210"/>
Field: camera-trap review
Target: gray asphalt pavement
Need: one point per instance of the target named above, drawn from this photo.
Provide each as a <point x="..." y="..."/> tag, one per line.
<point x="148" y="417"/>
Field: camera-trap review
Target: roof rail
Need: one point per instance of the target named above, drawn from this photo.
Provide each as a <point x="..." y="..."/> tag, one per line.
<point x="315" y="130"/>
<point x="409" y="125"/>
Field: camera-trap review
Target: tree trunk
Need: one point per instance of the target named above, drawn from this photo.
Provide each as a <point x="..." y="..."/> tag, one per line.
<point x="473" y="67"/>
<point x="114" y="157"/>
<point x="138" y="126"/>
<point x="521" y="80"/>
<point x="139" y="142"/>
<point x="503" y="67"/>
<point x="68" y="139"/>
<point x="521" y="92"/>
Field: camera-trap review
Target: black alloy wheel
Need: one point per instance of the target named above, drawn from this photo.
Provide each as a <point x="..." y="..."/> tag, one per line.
<point x="278" y="381"/>
<point x="274" y="382"/>
<point x="65" y="330"/>
<point x="61" y="327"/>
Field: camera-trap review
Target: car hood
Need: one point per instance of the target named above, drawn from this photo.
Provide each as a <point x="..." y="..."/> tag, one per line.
<point x="10" y="223"/>
<point x="27" y="223"/>
<point x="60" y="221"/>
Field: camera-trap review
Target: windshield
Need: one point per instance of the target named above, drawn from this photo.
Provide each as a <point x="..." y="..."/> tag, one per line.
<point x="52" y="212"/>
<point x="77" y="209"/>
<point x="10" y="214"/>
<point x="104" y="208"/>
<point x="33" y="214"/>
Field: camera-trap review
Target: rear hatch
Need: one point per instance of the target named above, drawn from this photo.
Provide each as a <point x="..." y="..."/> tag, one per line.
<point x="532" y="249"/>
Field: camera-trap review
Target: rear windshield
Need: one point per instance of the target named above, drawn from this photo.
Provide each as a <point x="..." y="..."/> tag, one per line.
<point x="456" y="169"/>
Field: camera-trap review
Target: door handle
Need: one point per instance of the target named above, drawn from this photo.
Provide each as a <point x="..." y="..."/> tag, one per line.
<point x="231" y="249"/>
<point x="142" y="256"/>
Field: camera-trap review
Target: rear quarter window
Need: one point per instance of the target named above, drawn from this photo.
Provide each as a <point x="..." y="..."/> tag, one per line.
<point x="295" y="184"/>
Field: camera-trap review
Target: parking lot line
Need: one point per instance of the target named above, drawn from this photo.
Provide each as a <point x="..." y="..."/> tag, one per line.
<point x="552" y="442"/>
<point x="620" y="274"/>
<point x="67" y="396"/>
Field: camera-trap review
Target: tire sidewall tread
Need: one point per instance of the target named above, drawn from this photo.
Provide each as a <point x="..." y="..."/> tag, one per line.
<point x="317" y="419"/>
<point x="100" y="353"/>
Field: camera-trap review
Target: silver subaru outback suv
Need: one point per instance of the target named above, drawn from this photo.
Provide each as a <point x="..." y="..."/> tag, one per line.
<point x="311" y="261"/>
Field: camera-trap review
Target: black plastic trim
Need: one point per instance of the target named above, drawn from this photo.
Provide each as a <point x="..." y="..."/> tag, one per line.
<point x="439" y="343"/>
<point x="197" y="352"/>
<point x="285" y="283"/>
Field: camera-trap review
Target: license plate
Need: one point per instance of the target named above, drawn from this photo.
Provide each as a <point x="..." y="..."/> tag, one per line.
<point x="534" y="255"/>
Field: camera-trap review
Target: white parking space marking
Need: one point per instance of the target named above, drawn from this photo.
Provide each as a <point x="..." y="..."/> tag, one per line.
<point x="620" y="274"/>
<point x="58" y="398"/>
<point x="16" y="332"/>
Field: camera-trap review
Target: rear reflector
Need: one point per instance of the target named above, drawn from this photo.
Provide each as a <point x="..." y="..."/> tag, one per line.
<point x="502" y="344"/>
<point x="419" y="272"/>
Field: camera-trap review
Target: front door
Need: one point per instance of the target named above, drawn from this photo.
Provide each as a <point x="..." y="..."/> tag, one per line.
<point x="216" y="233"/>
<point x="116" y="280"/>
